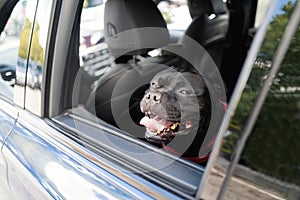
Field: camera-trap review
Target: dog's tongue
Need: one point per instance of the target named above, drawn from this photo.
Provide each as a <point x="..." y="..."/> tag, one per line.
<point x="155" y="125"/>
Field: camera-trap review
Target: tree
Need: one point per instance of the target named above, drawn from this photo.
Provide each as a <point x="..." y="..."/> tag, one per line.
<point x="273" y="145"/>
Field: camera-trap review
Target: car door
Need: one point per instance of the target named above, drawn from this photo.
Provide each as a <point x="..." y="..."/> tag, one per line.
<point x="52" y="147"/>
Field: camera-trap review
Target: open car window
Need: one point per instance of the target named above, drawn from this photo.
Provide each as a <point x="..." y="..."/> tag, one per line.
<point x="138" y="98"/>
<point x="153" y="97"/>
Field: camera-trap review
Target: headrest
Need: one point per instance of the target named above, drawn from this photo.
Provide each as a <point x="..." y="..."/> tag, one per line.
<point x="134" y="27"/>
<point x="200" y="7"/>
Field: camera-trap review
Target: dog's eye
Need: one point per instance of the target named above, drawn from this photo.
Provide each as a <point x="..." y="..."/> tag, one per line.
<point x="183" y="92"/>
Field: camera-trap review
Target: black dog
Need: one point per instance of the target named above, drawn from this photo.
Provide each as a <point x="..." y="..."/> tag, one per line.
<point x="177" y="111"/>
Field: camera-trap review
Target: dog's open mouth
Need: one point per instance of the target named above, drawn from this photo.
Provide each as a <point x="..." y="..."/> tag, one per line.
<point x="159" y="129"/>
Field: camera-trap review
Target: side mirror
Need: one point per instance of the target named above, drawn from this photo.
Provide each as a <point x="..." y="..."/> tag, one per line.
<point x="8" y="74"/>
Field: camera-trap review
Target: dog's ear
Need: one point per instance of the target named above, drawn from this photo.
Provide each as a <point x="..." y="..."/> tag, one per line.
<point x="185" y="66"/>
<point x="192" y="69"/>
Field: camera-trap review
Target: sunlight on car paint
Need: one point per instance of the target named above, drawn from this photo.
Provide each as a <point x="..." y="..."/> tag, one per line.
<point x="73" y="186"/>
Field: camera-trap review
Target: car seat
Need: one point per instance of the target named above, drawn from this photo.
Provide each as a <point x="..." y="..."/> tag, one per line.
<point x="209" y="26"/>
<point x="131" y="28"/>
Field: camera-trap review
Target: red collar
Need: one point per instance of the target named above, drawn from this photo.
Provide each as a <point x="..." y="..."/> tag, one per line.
<point x="201" y="159"/>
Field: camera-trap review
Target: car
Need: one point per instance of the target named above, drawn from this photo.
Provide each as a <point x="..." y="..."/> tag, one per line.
<point x="75" y="73"/>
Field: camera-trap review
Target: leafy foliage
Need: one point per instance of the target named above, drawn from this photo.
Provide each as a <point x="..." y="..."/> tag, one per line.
<point x="273" y="145"/>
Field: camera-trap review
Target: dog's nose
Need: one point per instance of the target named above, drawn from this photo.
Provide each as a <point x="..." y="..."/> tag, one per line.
<point x="154" y="97"/>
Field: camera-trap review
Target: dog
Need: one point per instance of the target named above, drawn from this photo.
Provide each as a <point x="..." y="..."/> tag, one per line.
<point x="176" y="110"/>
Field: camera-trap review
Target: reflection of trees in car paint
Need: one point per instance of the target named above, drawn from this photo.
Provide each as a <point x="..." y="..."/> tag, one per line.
<point x="20" y="71"/>
<point x="34" y="73"/>
<point x="37" y="51"/>
<point x="25" y="39"/>
<point x="36" y="57"/>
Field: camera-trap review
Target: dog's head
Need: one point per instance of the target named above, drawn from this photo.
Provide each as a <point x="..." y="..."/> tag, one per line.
<point x="173" y="105"/>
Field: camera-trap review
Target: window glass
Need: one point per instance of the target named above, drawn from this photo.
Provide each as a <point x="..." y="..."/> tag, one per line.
<point x="107" y="94"/>
<point x="117" y="88"/>
<point x="269" y="160"/>
<point x="274" y="140"/>
<point x="94" y="57"/>
<point x="9" y="43"/>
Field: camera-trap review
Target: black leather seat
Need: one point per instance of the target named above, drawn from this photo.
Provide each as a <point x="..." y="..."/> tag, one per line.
<point x="209" y="26"/>
<point x="131" y="28"/>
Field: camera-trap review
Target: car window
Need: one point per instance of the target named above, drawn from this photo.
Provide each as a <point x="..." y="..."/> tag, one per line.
<point x="268" y="160"/>
<point x="106" y="92"/>
<point x="9" y="43"/>
<point x="108" y="89"/>
<point x="270" y="150"/>
<point x="94" y="55"/>
<point x="107" y="115"/>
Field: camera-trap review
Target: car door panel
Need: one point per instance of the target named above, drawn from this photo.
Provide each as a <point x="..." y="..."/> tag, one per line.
<point x="8" y="118"/>
<point x="41" y="167"/>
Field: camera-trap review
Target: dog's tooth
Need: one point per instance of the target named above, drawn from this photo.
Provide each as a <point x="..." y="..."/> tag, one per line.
<point x="173" y="126"/>
<point x="158" y="132"/>
<point x="188" y="126"/>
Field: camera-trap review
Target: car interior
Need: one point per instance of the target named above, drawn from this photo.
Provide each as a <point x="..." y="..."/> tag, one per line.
<point x="113" y="95"/>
